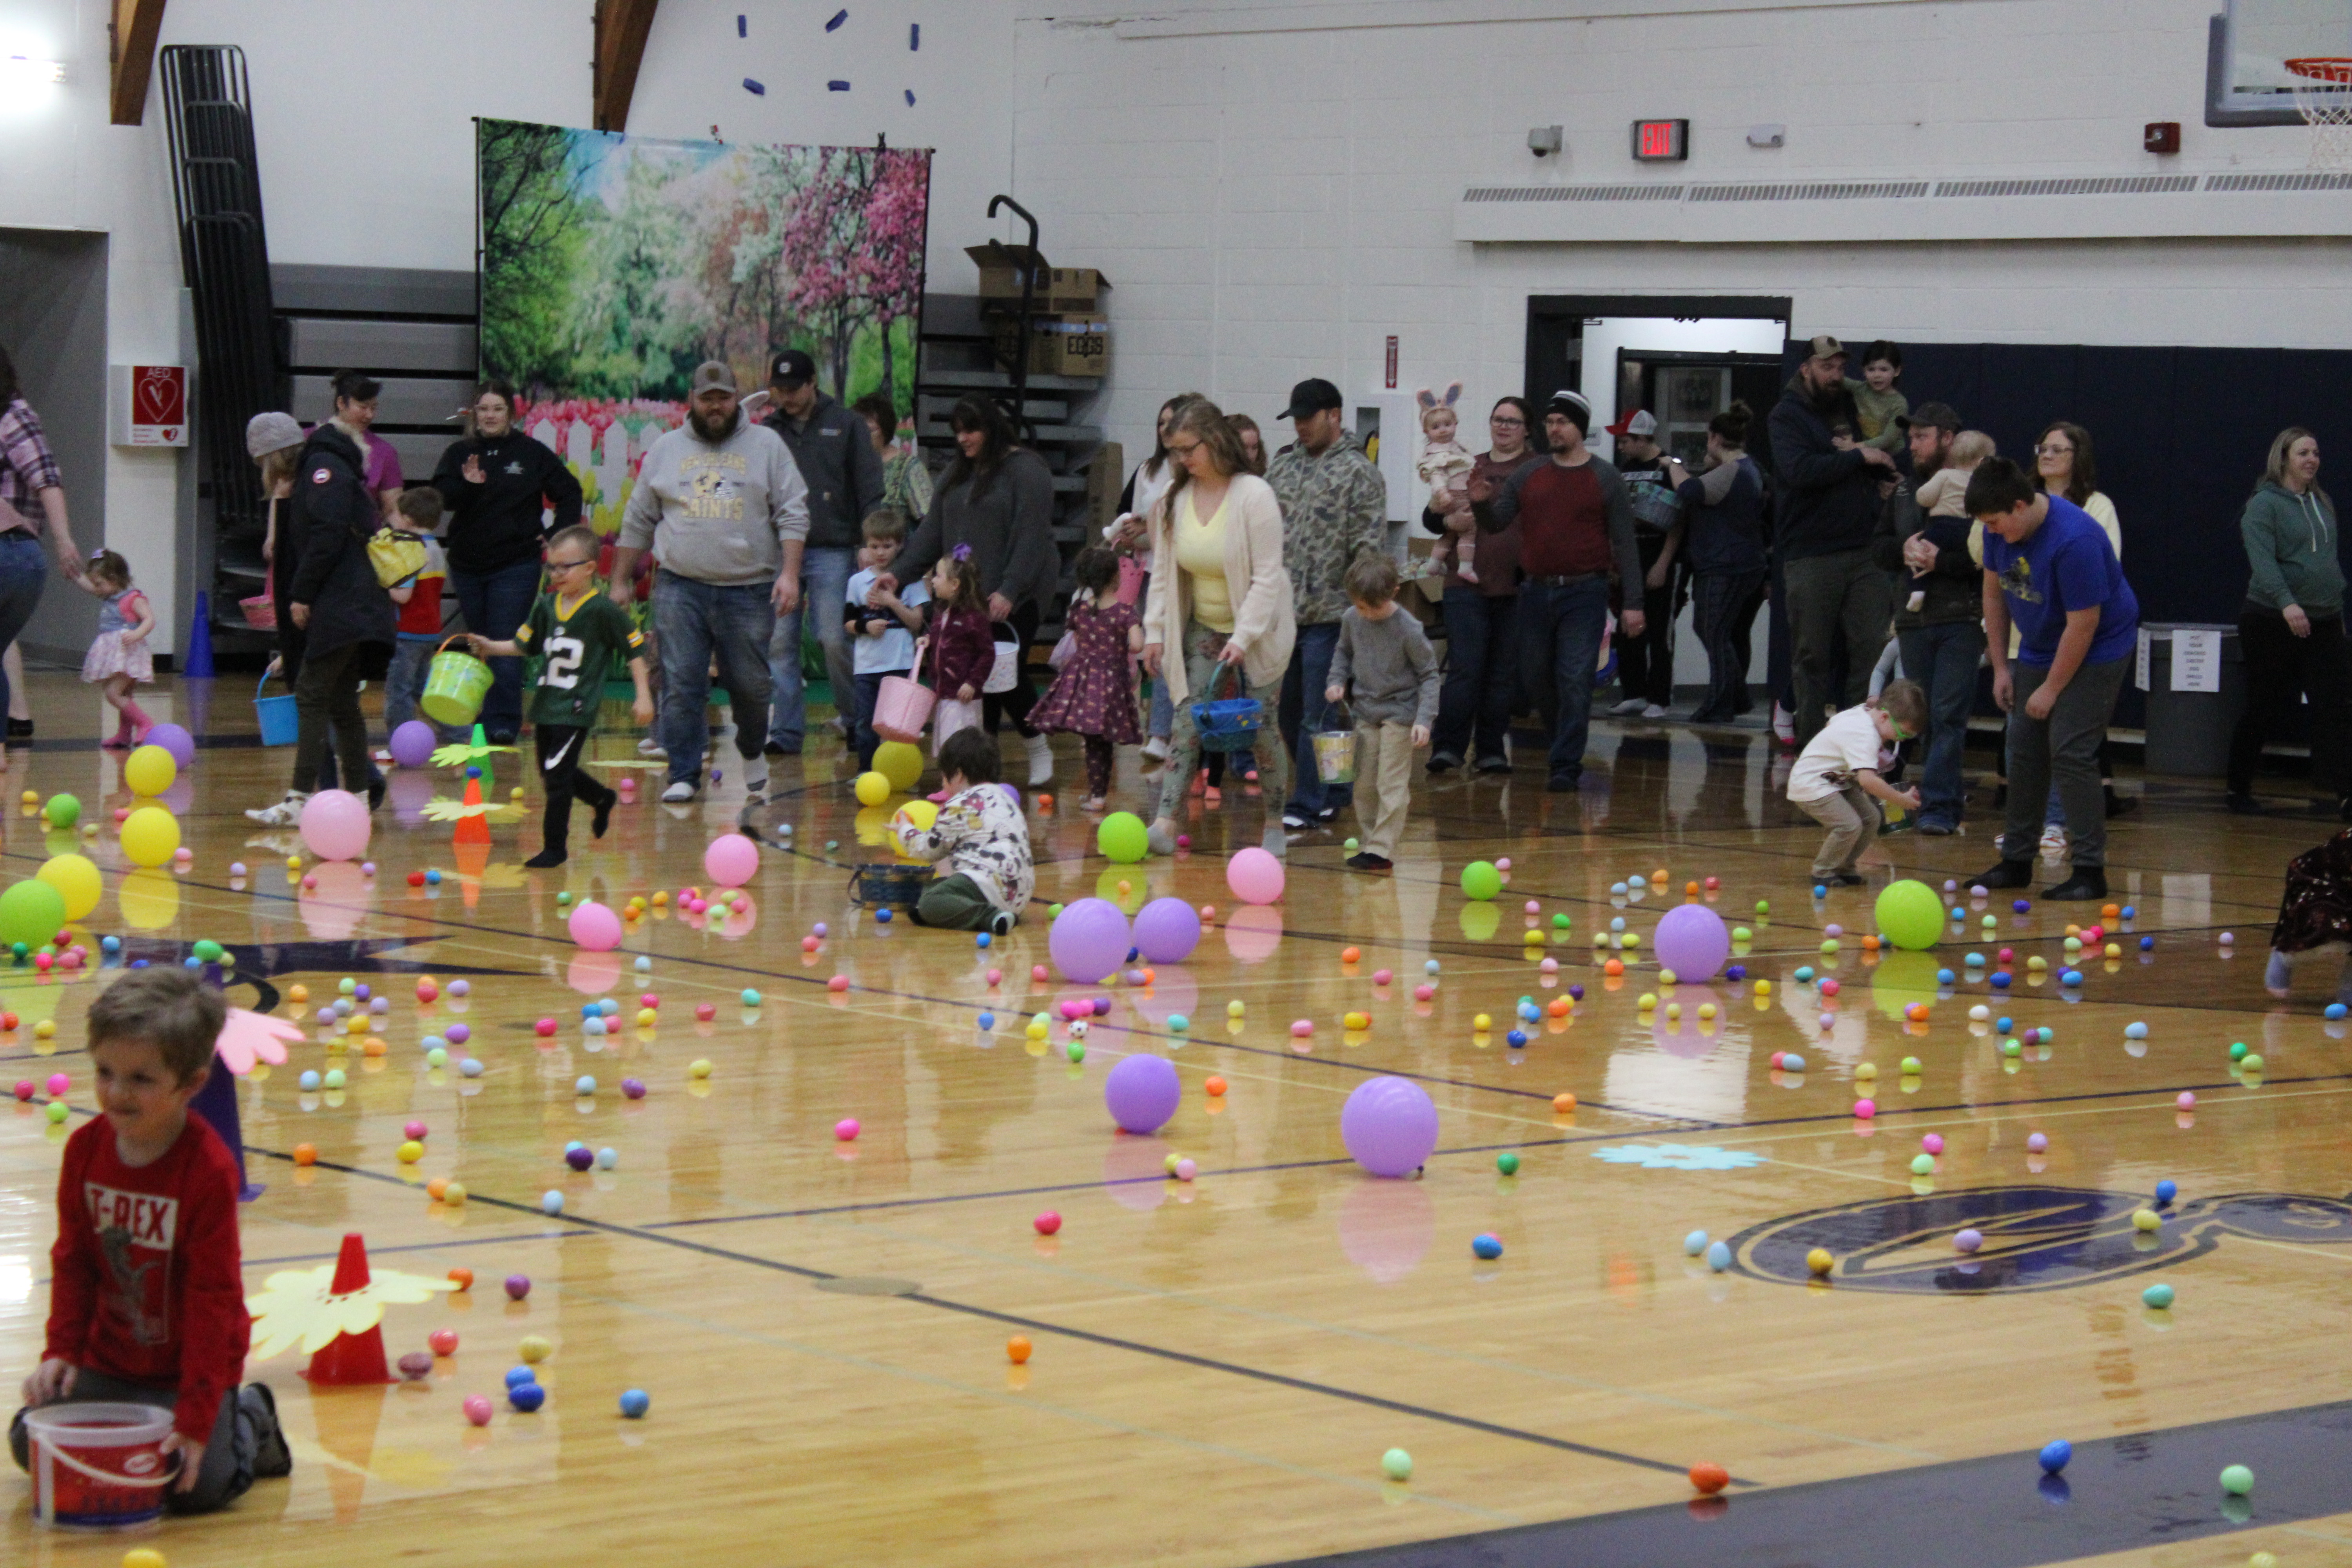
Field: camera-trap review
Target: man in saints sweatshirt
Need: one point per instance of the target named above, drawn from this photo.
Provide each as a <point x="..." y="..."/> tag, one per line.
<point x="722" y="506"/>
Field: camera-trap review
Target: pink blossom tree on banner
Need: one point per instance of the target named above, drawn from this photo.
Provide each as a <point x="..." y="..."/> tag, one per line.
<point x="846" y="249"/>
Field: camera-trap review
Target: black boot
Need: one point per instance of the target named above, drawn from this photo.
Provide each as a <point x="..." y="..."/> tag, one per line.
<point x="2088" y="882"/>
<point x="2008" y="874"/>
<point x="2119" y="804"/>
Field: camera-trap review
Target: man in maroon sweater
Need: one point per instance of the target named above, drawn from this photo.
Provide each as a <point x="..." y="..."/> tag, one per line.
<point x="146" y="1295"/>
<point x="1576" y="526"/>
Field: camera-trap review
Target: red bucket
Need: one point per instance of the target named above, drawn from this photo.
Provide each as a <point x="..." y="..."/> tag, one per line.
<point x="99" y="1466"/>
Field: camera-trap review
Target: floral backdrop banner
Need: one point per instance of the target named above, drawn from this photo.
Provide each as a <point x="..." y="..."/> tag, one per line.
<point x="612" y="266"/>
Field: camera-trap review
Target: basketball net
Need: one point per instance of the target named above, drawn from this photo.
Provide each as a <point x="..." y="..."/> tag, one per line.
<point x="2323" y="95"/>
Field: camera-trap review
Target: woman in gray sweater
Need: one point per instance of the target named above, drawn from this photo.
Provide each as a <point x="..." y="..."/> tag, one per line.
<point x="998" y="498"/>
<point x="2292" y="628"/>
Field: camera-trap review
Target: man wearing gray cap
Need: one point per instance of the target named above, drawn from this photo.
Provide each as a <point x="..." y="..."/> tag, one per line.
<point x="722" y="506"/>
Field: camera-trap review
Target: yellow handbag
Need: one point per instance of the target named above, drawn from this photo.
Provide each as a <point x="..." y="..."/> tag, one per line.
<point x="396" y="556"/>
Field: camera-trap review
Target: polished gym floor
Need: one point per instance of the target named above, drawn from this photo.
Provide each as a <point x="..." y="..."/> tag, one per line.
<point x="1219" y="1365"/>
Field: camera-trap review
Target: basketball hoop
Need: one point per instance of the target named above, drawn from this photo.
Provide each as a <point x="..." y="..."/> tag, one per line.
<point x="2322" y="94"/>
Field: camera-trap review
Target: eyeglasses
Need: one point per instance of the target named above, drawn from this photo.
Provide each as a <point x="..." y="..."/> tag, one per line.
<point x="1186" y="450"/>
<point x="2052" y="449"/>
<point x="1501" y="423"/>
<point x="567" y="565"/>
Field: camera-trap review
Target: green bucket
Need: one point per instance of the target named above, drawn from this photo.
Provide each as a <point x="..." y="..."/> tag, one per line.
<point x="454" y="685"/>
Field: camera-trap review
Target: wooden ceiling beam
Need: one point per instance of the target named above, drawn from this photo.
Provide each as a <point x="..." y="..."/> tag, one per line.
<point x="132" y="32"/>
<point x="621" y="29"/>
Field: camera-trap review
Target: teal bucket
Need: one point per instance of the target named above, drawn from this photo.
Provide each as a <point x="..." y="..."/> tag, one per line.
<point x="280" y="724"/>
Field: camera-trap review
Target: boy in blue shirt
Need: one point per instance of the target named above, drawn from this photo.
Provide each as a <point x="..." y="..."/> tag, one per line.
<point x="2049" y="568"/>
<point x="882" y="634"/>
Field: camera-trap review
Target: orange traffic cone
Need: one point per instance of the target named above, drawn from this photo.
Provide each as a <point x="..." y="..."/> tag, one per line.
<point x="474" y="828"/>
<point x="349" y="1358"/>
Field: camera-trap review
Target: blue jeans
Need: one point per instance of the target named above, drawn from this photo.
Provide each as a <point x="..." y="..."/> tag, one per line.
<point x="1560" y="646"/>
<point x="1943" y="659"/>
<point x="825" y="571"/>
<point x="494" y="603"/>
<point x="405" y="682"/>
<point x="694" y="623"/>
<point x="869" y="692"/>
<point x="1304" y="712"/>
<point x="1482" y="674"/>
<point x="24" y="573"/>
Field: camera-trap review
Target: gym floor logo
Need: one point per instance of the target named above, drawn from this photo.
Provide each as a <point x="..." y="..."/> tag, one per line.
<point x="2035" y="1238"/>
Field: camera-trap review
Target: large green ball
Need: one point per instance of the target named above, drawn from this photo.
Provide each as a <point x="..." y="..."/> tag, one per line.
<point x="31" y="911"/>
<point x="63" y="810"/>
<point x="1122" y="838"/>
<point x="1480" y="880"/>
<point x="1911" y="914"/>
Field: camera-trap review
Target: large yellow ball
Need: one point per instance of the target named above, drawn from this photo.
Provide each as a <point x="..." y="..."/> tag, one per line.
<point x="149" y="900"/>
<point x="150" y="770"/>
<point x="77" y="878"/>
<point x="873" y="789"/>
<point x="920" y="815"/>
<point x="150" y="834"/>
<point x="900" y="762"/>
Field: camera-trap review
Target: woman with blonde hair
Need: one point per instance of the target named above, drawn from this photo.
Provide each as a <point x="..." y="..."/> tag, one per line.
<point x="1220" y="603"/>
<point x="2292" y="628"/>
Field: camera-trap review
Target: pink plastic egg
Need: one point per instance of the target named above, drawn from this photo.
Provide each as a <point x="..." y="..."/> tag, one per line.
<point x="546" y="1028"/>
<point x="1302" y="1028"/>
<point x="2187" y="1100"/>
<point x="1037" y="972"/>
<point x="1828" y="987"/>
<point x="1184" y="841"/>
<point x="58" y="1083"/>
<point x="838" y="983"/>
<point x="704" y="1012"/>
<point x="2037" y="1143"/>
<point x="1503" y="863"/>
<point x="1549" y="966"/>
<point x="1533" y="907"/>
<point x="477" y="1410"/>
<point x="846" y="1129"/>
<point x="808" y="945"/>
<point x="1423" y="992"/>
<point x="1933" y="1143"/>
<point x="1186" y="1170"/>
<point x="996" y="978"/>
<point x="1382" y="976"/>
<point x="415" y="1129"/>
<point x="1865" y="1109"/>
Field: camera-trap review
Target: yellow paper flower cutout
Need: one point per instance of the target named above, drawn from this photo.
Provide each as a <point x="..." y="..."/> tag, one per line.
<point x="297" y="1307"/>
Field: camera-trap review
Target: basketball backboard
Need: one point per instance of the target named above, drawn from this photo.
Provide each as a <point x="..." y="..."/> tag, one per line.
<point x="2247" y="80"/>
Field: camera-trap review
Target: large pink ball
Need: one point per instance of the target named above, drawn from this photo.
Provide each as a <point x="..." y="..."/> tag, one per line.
<point x="174" y="739"/>
<point x="1693" y="941"/>
<point x="1255" y="876"/>
<point x="731" y="860"/>
<point x="335" y="824"/>
<point x="595" y="927"/>
<point x="1389" y="1125"/>
<point x="412" y="743"/>
<point x="1142" y="1093"/>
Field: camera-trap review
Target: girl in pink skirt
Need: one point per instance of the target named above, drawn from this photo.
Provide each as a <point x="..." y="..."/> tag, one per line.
<point x="119" y="659"/>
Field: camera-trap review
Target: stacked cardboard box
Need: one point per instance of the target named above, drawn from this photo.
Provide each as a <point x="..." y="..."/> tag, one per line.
<point x="1070" y="324"/>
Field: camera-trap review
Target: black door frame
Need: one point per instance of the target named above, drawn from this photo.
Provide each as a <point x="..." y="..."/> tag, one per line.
<point x="1555" y="321"/>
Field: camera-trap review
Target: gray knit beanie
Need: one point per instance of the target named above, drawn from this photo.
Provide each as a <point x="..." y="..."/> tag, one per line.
<point x="272" y="432"/>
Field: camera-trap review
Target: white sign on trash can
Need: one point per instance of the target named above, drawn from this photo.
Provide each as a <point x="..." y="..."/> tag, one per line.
<point x="2196" y="660"/>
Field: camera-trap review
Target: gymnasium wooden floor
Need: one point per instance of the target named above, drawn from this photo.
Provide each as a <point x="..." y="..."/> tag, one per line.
<point x="1219" y="1365"/>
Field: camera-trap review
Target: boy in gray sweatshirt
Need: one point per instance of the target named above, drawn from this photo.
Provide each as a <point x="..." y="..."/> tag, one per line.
<point x="1385" y="657"/>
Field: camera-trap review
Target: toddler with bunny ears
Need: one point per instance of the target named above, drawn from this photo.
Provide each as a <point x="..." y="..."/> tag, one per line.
<point x="1445" y="466"/>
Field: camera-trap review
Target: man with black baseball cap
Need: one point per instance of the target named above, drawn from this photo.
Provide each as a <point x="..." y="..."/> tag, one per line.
<point x="1943" y="640"/>
<point x="1335" y="511"/>
<point x="844" y="473"/>
<point x="1576" y="527"/>
<point x="1828" y="513"/>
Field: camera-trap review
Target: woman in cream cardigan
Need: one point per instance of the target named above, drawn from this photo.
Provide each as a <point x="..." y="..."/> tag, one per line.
<point x="1219" y="596"/>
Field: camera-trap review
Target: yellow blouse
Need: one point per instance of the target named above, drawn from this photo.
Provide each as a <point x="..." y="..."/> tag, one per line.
<point x="1201" y="553"/>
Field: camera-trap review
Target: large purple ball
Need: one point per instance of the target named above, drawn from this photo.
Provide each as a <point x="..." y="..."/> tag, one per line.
<point x="1089" y="940"/>
<point x="412" y="743"/>
<point x="1693" y="941"/>
<point x="1142" y="1093"/>
<point x="1167" y="931"/>
<point x="1389" y="1126"/>
<point x="174" y="739"/>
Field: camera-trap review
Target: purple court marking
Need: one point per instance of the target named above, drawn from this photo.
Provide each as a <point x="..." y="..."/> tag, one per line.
<point x="910" y="98"/>
<point x="753" y="87"/>
<point x="742" y="26"/>
<point x="837" y="85"/>
<point x="838" y="18"/>
<point x="914" y="40"/>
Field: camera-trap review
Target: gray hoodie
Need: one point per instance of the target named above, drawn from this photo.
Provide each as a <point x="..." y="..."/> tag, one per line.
<point x="719" y="514"/>
<point x="2291" y="546"/>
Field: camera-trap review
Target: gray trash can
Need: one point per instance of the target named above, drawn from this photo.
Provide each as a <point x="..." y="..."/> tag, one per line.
<point x="2189" y="731"/>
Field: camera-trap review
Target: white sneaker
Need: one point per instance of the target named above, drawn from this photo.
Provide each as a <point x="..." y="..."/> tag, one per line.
<point x="677" y="793"/>
<point x="287" y="812"/>
<point x="649" y="747"/>
<point x="1653" y="711"/>
<point x="1156" y="749"/>
<point x="2053" y="844"/>
<point x="1041" y="760"/>
<point x="381" y="755"/>
<point x="1627" y="709"/>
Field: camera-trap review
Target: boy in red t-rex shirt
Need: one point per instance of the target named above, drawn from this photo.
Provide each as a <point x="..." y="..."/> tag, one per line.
<point x="147" y="1293"/>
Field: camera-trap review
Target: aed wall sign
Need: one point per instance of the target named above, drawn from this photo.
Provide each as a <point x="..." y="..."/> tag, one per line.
<point x="148" y="406"/>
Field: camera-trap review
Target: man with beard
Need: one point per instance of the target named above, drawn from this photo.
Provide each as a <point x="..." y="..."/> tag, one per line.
<point x="1943" y="640"/>
<point x="1828" y="481"/>
<point x="723" y="506"/>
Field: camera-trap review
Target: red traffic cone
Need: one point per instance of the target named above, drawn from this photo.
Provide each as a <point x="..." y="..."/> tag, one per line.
<point x="474" y="828"/>
<point x="349" y="1358"/>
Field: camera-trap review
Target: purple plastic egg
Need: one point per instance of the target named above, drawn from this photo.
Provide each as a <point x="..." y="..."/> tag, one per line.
<point x="634" y="1087"/>
<point x="579" y="1159"/>
<point x="459" y="1034"/>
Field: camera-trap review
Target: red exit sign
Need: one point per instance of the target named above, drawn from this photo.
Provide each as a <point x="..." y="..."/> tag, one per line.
<point x="1661" y="141"/>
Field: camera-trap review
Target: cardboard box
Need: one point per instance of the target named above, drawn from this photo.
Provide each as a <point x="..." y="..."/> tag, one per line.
<point x="1071" y="290"/>
<point x="1058" y="345"/>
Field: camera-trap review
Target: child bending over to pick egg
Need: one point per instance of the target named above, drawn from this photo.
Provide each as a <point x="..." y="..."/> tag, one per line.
<point x="982" y="835"/>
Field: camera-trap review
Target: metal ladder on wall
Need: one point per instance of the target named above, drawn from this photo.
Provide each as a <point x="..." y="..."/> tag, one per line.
<point x="225" y="262"/>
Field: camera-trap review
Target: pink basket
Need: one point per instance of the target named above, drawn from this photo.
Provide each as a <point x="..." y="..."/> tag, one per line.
<point x="260" y="612"/>
<point x="903" y="706"/>
<point x="1131" y="577"/>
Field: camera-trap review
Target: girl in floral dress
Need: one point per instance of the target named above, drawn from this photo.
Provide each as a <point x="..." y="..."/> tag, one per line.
<point x="1094" y="695"/>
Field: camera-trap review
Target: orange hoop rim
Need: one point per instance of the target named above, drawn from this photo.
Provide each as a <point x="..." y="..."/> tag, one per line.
<point x="2335" y="70"/>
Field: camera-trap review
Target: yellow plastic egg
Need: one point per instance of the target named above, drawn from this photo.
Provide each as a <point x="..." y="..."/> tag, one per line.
<point x="1481" y="1024"/>
<point x="411" y="1152"/>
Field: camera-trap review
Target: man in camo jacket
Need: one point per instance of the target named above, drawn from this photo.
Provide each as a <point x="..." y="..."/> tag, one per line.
<point x="1335" y="509"/>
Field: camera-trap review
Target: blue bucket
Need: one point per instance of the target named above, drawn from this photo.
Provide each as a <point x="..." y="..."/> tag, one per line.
<point x="280" y="724"/>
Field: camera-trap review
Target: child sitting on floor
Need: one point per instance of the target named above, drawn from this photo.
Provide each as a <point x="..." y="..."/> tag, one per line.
<point x="2314" y="915"/>
<point x="982" y="835"/>
<point x="146" y="1293"/>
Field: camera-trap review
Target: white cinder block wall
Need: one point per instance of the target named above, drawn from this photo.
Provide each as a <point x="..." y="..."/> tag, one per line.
<point x="1270" y="183"/>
